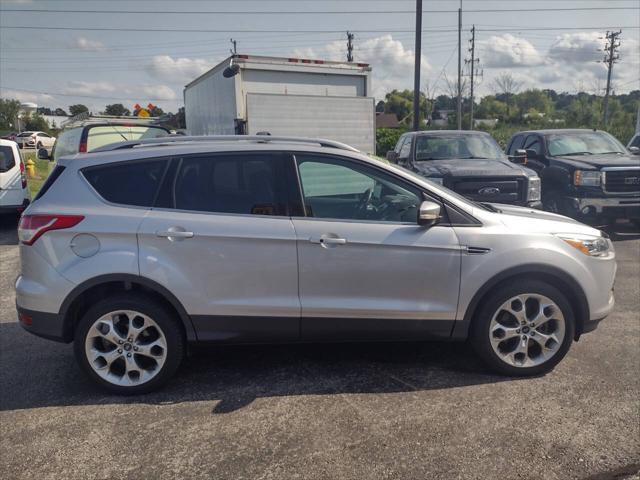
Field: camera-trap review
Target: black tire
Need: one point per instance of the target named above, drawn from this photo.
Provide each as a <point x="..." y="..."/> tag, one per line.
<point x="480" y="327"/>
<point x="175" y="340"/>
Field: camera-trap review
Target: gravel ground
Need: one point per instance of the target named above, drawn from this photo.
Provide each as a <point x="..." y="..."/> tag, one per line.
<point x="329" y="411"/>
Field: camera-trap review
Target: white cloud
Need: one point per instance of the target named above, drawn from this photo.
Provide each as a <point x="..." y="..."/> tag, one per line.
<point x="82" y="43"/>
<point x="391" y="62"/>
<point x="508" y="51"/>
<point x="41" y="99"/>
<point x="576" y="48"/>
<point x="178" y="70"/>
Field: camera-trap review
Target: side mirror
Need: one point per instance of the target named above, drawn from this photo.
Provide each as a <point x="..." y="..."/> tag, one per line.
<point x="532" y="154"/>
<point x="634" y="150"/>
<point x="520" y="156"/>
<point x="392" y="156"/>
<point x="43" y="154"/>
<point x="428" y="214"/>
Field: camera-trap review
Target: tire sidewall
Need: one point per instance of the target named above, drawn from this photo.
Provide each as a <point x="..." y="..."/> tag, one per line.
<point x="170" y="329"/>
<point x="482" y="321"/>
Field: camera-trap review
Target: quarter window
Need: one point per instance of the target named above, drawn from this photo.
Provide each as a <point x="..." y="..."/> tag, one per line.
<point x="131" y="183"/>
<point x="339" y="189"/>
<point x="243" y="184"/>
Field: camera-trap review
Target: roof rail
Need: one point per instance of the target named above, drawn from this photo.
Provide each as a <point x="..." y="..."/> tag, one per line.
<point x="86" y="118"/>
<point x="173" y="139"/>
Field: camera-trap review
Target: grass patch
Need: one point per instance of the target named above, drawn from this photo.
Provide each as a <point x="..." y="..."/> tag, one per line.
<point x="42" y="169"/>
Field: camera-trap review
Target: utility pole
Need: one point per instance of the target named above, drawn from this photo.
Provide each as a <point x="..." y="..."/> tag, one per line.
<point x="460" y="67"/>
<point x="610" y="58"/>
<point x="416" y="67"/>
<point x="472" y="62"/>
<point x="350" y="37"/>
<point x="234" y="50"/>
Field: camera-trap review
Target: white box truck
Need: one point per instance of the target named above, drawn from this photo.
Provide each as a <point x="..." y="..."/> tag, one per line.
<point x="247" y="94"/>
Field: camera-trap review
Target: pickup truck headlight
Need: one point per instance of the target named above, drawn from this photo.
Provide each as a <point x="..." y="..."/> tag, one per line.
<point x="533" y="193"/>
<point x="587" y="178"/>
<point x="437" y="180"/>
<point x="587" y="244"/>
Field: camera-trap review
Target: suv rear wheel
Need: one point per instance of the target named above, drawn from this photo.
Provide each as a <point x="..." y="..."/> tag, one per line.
<point x="524" y="328"/>
<point x="128" y="344"/>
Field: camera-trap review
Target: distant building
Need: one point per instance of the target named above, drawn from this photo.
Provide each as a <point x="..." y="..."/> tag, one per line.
<point x="485" y="122"/>
<point x="387" y="120"/>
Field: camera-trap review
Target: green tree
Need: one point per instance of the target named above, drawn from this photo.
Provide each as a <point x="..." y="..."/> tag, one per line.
<point x="9" y="110"/>
<point x="60" y="112"/>
<point x="77" y="109"/>
<point x="117" y="109"/>
<point x="35" y="122"/>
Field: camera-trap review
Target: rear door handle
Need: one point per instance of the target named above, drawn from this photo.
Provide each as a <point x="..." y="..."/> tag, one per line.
<point x="174" y="233"/>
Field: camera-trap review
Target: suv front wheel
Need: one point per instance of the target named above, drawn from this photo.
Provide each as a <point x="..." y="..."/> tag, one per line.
<point x="524" y="328"/>
<point x="128" y="344"/>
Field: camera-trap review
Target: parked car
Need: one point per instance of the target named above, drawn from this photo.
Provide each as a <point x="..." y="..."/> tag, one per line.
<point x="146" y="246"/>
<point x="10" y="136"/>
<point x="35" y="140"/>
<point x="469" y="163"/>
<point x="634" y="144"/>
<point x="89" y="135"/>
<point x="586" y="174"/>
<point x="14" y="194"/>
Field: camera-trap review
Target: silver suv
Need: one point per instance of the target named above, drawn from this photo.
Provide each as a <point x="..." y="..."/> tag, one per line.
<point x="135" y="251"/>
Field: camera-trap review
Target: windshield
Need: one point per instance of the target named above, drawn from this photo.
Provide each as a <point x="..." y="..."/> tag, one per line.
<point x="104" y="135"/>
<point x="583" y="143"/>
<point x="441" y="147"/>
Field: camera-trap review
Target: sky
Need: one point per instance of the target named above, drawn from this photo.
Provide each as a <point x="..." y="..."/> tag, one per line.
<point x="64" y="52"/>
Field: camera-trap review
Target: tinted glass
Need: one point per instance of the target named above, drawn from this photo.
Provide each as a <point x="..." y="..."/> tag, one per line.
<point x="243" y="184"/>
<point x="516" y="144"/>
<point x="636" y="141"/>
<point x="26" y="134"/>
<point x="104" y="135"/>
<point x="7" y="162"/>
<point x="130" y="183"/>
<point x="444" y="147"/>
<point x="340" y="189"/>
<point x="405" y="150"/>
<point x="577" y="143"/>
<point x="68" y="143"/>
<point x="533" y="143"/>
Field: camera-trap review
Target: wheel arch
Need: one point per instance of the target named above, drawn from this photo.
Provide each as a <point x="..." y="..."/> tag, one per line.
<point x="549" y="274"/>
<point x="81" y="297"/>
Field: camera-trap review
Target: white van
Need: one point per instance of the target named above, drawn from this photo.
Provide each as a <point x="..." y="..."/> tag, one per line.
<point x="14" y="194"/>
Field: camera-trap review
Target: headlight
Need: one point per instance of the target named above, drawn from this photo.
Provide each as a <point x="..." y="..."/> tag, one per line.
<point x="437" y="180"/>
<point x="534" y="189"/>
<point x="587" y="244"/>
<point x="586" y="178"/>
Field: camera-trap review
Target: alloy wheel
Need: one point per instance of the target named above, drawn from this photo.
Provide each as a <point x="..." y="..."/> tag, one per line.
<point x="126" y="348"/>
<point x="527" y="330"/>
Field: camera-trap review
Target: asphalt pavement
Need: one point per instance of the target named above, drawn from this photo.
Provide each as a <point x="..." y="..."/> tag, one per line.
<point x="415" y="411"/>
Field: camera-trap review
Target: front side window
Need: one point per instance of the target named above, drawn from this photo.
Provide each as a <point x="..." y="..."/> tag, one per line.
<point x="335" y="188"/>
<point x="104" y="135"/>
<point x="127" y="183"/>
<point x="447" y="147"/>
<point x="583" y="143"/>
<point x="636" y="141"/>
<point x="405" y="150"/>
<point x="68" y="143"/>
<point x="533" y="143"/>
<point x="250" y="184"/>
<point x="516" y="144"/>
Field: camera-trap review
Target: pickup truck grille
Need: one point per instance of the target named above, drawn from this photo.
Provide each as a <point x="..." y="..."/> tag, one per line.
<point x="622" y="181"/>
<point x="495" y="190"/>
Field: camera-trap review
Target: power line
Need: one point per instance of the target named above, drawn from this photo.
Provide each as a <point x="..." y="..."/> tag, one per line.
<point x="313" y="12"/>
<point x="88" y="96"/>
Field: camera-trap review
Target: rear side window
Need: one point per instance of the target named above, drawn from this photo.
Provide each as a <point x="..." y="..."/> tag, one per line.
<point x="53" y="176"/>
<point x="68" y="143"/>
<point x="7" y="160"/>
<point x="244" y="184"/>
<point x="130" y="183"/>
<point x="104" y="135"/>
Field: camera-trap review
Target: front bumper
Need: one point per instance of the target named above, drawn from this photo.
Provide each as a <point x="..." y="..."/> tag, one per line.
<point x="586" y="208"/>
<point x="43" y="324"/>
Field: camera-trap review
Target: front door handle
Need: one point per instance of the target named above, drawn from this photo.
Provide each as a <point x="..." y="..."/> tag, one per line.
<point x="174" y="234"/>
<point x="329" y="240"/>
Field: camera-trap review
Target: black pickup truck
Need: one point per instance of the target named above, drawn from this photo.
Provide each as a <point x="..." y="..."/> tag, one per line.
<point x="470" y="163"/>
<point x="586" y="174"/>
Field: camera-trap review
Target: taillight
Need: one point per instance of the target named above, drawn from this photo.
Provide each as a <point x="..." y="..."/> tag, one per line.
<point x="83" y="147"/>
<point x="23" y="175"/>
<point x="33" y="227"/>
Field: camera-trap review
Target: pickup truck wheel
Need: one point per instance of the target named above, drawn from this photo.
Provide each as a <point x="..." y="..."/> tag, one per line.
<point x="524" y="328"/>
<point x="128" y="344"/>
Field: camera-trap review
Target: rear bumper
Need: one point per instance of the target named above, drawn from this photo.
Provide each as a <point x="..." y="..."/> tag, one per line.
<point x="15" y="208"/>
<point x="43" y="324"/>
